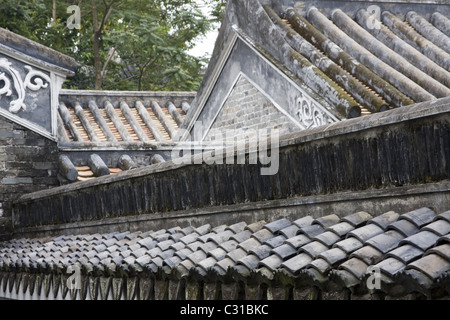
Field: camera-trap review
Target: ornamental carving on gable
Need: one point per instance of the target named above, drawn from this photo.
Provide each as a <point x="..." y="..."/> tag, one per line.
<point x="310" y="114"/>
<point x="11" y="82"/>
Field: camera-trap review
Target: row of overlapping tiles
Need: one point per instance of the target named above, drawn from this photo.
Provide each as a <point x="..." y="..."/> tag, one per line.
<point x="387" y="62"/>
<point x="123" y="122"/>
<point x="412" y="248"/>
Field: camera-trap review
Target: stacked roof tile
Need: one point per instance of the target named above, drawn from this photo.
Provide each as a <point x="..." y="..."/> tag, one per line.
<point x="387" y="256"/>
<point x="119" y="121"/>
<point x="398" y="61"/>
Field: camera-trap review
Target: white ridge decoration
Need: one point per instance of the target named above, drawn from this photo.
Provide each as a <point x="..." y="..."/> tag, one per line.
<point x="34" y="80"/>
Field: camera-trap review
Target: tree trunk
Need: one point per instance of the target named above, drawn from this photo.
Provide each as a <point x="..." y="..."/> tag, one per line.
<point x="54" y="10"/>
<point x="96" y="48"/>
<point x="97" y="63"/>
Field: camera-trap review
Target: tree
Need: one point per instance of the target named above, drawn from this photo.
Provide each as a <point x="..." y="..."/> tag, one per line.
<point x="122" y="44"/>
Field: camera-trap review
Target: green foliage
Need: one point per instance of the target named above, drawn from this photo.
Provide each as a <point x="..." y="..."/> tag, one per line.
<point x="142" y="44"/>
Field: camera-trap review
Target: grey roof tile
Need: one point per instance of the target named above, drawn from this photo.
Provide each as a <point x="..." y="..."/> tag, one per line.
<point x="386" y="241"/>
<point x="194" y="246"/>
<point x="366" y="232"/>
<point x="341" y="229"/>
<point x="272" y="262"/>
<point x="249" y="244"/>
<point x="176" y="236"/>
<point x="368" y="254"/>
<point x="313" y="248"/>
<point x="207" y="263"/>
<point x="295" y="264"/>
<point x="153" y="252"/>
<point x="443" y="239"/>
<point x="218" y="253"/>
<point x="432" y="265"/>
<point x="277" y="225"/>
<point x="298" y="241"/>
<point x="444" y="215"/>
<point x="196" y="256"/>
<point x="406" y="253"/>
<point x="250" y="261"/>
<point x="172" y="262"/>
<point x="391" y="266"/>
<point x="289" y="231"/>
<point x="262" y="251"/>
<point x="357" y="219"/>
<point x="284" y="251"/>
<point x="311" y="231"/>
<point x="206" y="237"/>
<point x="262" y="235"/>
<point x="385" y="219"/>
<point x="189" y="238"/>
<point x="333" y="256"/>
<point x="164" y="245"/>
<point x="229" y="245"/>
<point x="221" y="236"/>
<point x="177" y="246"/>
<point x="440" y="227"/>
<point x="242" y="236"/>
<point x="275" y="241"/>
<point x="328" y="238"/>
<point x="174" y="230"/>
<point x="219" y="229"/>
<point x="237" y="254"/>
<point x="208" y="246"/>
<point x="319" y="265"/>
<point x="442" y="250"/>
<point x="355" y="266"/>
<point x="404" y="226"/>
<point x="202" y="230"/>
<point x="162" y="237"/>
<point x="139" y="252"/>
<point x="121" y="235"/>
<point x="422" y="240"/>
<point x="183" y="253"/>
<point x="419" y="217"/>
<point x="327" y="221"/>
<point x="303" y="222"/>
<point x="253" y="227"/>
<point x="187" y="230"/>
<point x="237" y="227"/>
<point x="224" y="264"/>
<point x="348" y="245"/>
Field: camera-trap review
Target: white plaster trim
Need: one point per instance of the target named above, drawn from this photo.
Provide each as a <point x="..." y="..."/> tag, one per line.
<point x="195" y="112"/>
<point x="10" y="52"/>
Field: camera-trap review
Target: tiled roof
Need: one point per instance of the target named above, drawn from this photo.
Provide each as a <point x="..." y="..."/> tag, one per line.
<point x="332" y="254"/>
<point x="394" y="62"/>
<point x="118" y="123"/>
<point x="119" y="119"/>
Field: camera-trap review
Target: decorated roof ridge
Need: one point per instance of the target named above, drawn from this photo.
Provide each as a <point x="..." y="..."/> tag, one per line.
<point x="120" y="119"/>
<point x="390" y="255"/>
<point x="385" y="64"/>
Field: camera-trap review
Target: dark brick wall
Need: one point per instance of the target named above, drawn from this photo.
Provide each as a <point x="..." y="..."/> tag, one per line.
<point x="28" y="163"/>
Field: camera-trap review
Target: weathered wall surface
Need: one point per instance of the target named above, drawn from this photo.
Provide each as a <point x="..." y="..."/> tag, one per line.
<point x="393" y="148"/>
<point x="28" y="163"/>
<point x="248" y="109"/>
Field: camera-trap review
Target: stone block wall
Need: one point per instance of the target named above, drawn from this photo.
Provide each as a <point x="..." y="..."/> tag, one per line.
<point x="28" y="163"/>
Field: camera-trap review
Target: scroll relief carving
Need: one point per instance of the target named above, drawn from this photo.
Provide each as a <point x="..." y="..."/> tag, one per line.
<point x="311" y="114"/>
<point x="34" y="80"/>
